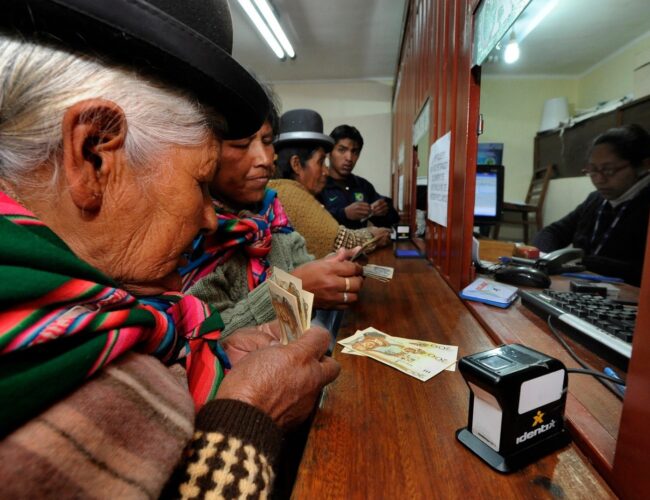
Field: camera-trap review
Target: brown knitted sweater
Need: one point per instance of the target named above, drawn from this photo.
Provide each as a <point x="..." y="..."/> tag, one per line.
<point x="122" y="433"/>
<point x="321" y="231"/>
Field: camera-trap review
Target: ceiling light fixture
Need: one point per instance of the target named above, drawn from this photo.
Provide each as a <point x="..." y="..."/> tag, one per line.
<point x="531" y="24"/>
<point x="272" y="21"/>
<point x="511" y="53"/>
<point x="279" y="42"/>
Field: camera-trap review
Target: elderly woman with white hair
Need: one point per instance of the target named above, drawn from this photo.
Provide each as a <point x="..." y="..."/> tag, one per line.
<point x="110" y="121"/>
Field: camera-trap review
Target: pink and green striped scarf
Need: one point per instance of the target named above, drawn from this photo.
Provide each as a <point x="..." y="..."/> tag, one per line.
<point x="61" y="321"/>
<point x="243" y="231"/>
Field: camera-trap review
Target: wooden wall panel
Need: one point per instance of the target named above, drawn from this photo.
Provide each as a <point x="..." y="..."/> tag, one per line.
<point x="435" y="63"/>
<point x="630" y="474"/>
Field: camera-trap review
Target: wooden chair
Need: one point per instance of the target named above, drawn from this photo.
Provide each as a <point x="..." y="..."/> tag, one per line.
<point x="534" y="202"/>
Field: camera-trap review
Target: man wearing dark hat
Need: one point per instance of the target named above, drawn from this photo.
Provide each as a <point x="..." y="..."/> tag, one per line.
<point x="351" y="199"/>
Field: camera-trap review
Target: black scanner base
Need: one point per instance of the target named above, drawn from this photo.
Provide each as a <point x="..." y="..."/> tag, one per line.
<point x="514" y="461"/>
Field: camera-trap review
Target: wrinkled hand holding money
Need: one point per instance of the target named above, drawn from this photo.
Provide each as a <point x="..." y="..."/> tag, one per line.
<point x="291" y="303"/>
<point x="420" y="359"/>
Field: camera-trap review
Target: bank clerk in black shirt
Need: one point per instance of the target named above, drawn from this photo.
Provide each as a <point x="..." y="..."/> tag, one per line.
<point x="611" y="225"/>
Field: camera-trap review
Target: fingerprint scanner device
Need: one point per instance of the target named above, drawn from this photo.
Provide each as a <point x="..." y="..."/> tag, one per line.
<point x="400" y="232"/>
<point x="516" y="406"/>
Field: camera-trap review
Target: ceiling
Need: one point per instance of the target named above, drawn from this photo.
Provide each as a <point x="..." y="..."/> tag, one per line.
<point x="352" y="40"/>
<point x="333" y="40"/>
<point x="576" y="35"/>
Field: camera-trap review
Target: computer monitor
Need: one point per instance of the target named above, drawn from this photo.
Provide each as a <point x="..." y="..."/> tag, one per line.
<point x="488" y="199"/>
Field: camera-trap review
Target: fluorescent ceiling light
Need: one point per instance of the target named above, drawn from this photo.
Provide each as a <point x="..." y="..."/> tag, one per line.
<point x="271" y="20"/>
<point x="531" y="24"/>
<point x="262" y="27"/>
<point x="270" y="30"/>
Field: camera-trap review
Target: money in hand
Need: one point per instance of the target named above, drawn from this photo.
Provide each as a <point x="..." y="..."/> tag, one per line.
<point x="381" y="273"/>
<point x="364" y="247"/>
<point x="292" y="304"/>
<point x="419" y="359"/>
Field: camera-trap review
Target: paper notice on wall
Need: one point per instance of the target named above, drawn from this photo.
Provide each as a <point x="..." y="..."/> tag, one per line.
<point x="438" y="191"/>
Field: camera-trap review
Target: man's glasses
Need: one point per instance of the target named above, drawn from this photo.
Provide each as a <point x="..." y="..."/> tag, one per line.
<point x="608" y="171"/>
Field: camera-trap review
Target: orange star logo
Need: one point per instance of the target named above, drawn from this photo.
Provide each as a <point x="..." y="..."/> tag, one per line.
<point x="538" y="419"/>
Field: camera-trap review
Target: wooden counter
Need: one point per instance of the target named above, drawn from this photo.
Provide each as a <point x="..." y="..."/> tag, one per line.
<point x="382" y="434"/>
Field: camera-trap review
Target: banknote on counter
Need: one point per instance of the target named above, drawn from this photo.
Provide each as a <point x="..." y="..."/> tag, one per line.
<point x="381" y="273"/>
<point x="292" y="304"/>
<point x="417" y="358"/>
<point x="443" y="351"/>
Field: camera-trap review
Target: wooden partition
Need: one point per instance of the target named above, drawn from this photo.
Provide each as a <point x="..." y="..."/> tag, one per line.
<point x="435" y="63"/>
<point x="630" y="475"/>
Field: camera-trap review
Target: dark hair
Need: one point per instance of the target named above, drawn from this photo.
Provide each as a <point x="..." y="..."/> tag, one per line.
<point x="347" y="132"/>
<point x="629" y="142"/>
<point x="304" y="150"/>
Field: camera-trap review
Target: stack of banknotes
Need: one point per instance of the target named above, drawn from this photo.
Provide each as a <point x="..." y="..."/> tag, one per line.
<point x="291" y="303"/>
<point x="417" y="358"/>
<point x="381" y="273"/>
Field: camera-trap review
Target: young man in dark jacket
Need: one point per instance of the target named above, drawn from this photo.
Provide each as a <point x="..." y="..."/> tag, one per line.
<point x="351" y="199"/>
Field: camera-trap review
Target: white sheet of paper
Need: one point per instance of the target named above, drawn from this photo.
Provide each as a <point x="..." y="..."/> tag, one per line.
<point x="438" y="190"/>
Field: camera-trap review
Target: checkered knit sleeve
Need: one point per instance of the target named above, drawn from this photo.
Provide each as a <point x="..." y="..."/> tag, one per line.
<point x="231" y="454"/>
<point x="350" y="238"/>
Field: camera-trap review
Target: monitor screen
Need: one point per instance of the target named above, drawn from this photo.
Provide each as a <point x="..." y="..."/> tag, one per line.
<point x="488" y="199"/>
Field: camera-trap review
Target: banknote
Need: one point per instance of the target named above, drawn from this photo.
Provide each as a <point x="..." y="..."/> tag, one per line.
<point x="441" y="351"/>
<point x="417" y="361"/>
<point x="381" y="273"/>
<point x="364" y="248"/>
<point x="293" y="285"/>
<point x="286" y="309"/>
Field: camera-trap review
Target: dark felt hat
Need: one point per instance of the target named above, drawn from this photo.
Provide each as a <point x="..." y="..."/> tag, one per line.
<point x="300" y="125"/>
<point x="187" y="43"/>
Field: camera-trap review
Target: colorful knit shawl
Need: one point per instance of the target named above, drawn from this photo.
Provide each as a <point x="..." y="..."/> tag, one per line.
<point x="242" y="231"/>
<point x="61" y="320"/>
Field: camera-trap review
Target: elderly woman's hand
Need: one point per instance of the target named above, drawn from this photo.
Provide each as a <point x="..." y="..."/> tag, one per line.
<point x="246" y="340"/>
<point x="283" y="381"/>
<point x="334" y="280"/>
<point x="382" y="234"/>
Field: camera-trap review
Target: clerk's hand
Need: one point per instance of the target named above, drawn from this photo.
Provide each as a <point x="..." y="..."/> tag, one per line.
<point x="357" y="210"/>
<point x="379" y="207"/>
<point x="334" y="280"/>
<point x="283" y="381"/>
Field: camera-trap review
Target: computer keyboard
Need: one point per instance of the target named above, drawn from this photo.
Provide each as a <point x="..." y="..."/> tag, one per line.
<point x="608" y="322"/>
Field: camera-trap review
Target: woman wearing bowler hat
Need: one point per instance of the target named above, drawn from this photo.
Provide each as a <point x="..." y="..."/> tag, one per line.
<point x="111" y="114"/>
<point x="301" y="149"/>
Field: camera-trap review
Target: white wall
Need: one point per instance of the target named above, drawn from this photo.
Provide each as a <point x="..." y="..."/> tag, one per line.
<point x="564" y="195"/>
<point x="363" y="104"/>
<point x="512" y="110"/>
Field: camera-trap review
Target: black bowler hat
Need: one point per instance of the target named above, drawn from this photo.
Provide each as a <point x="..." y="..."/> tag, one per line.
<point x="300" y="125"/>
<point x="185" y="42"/>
